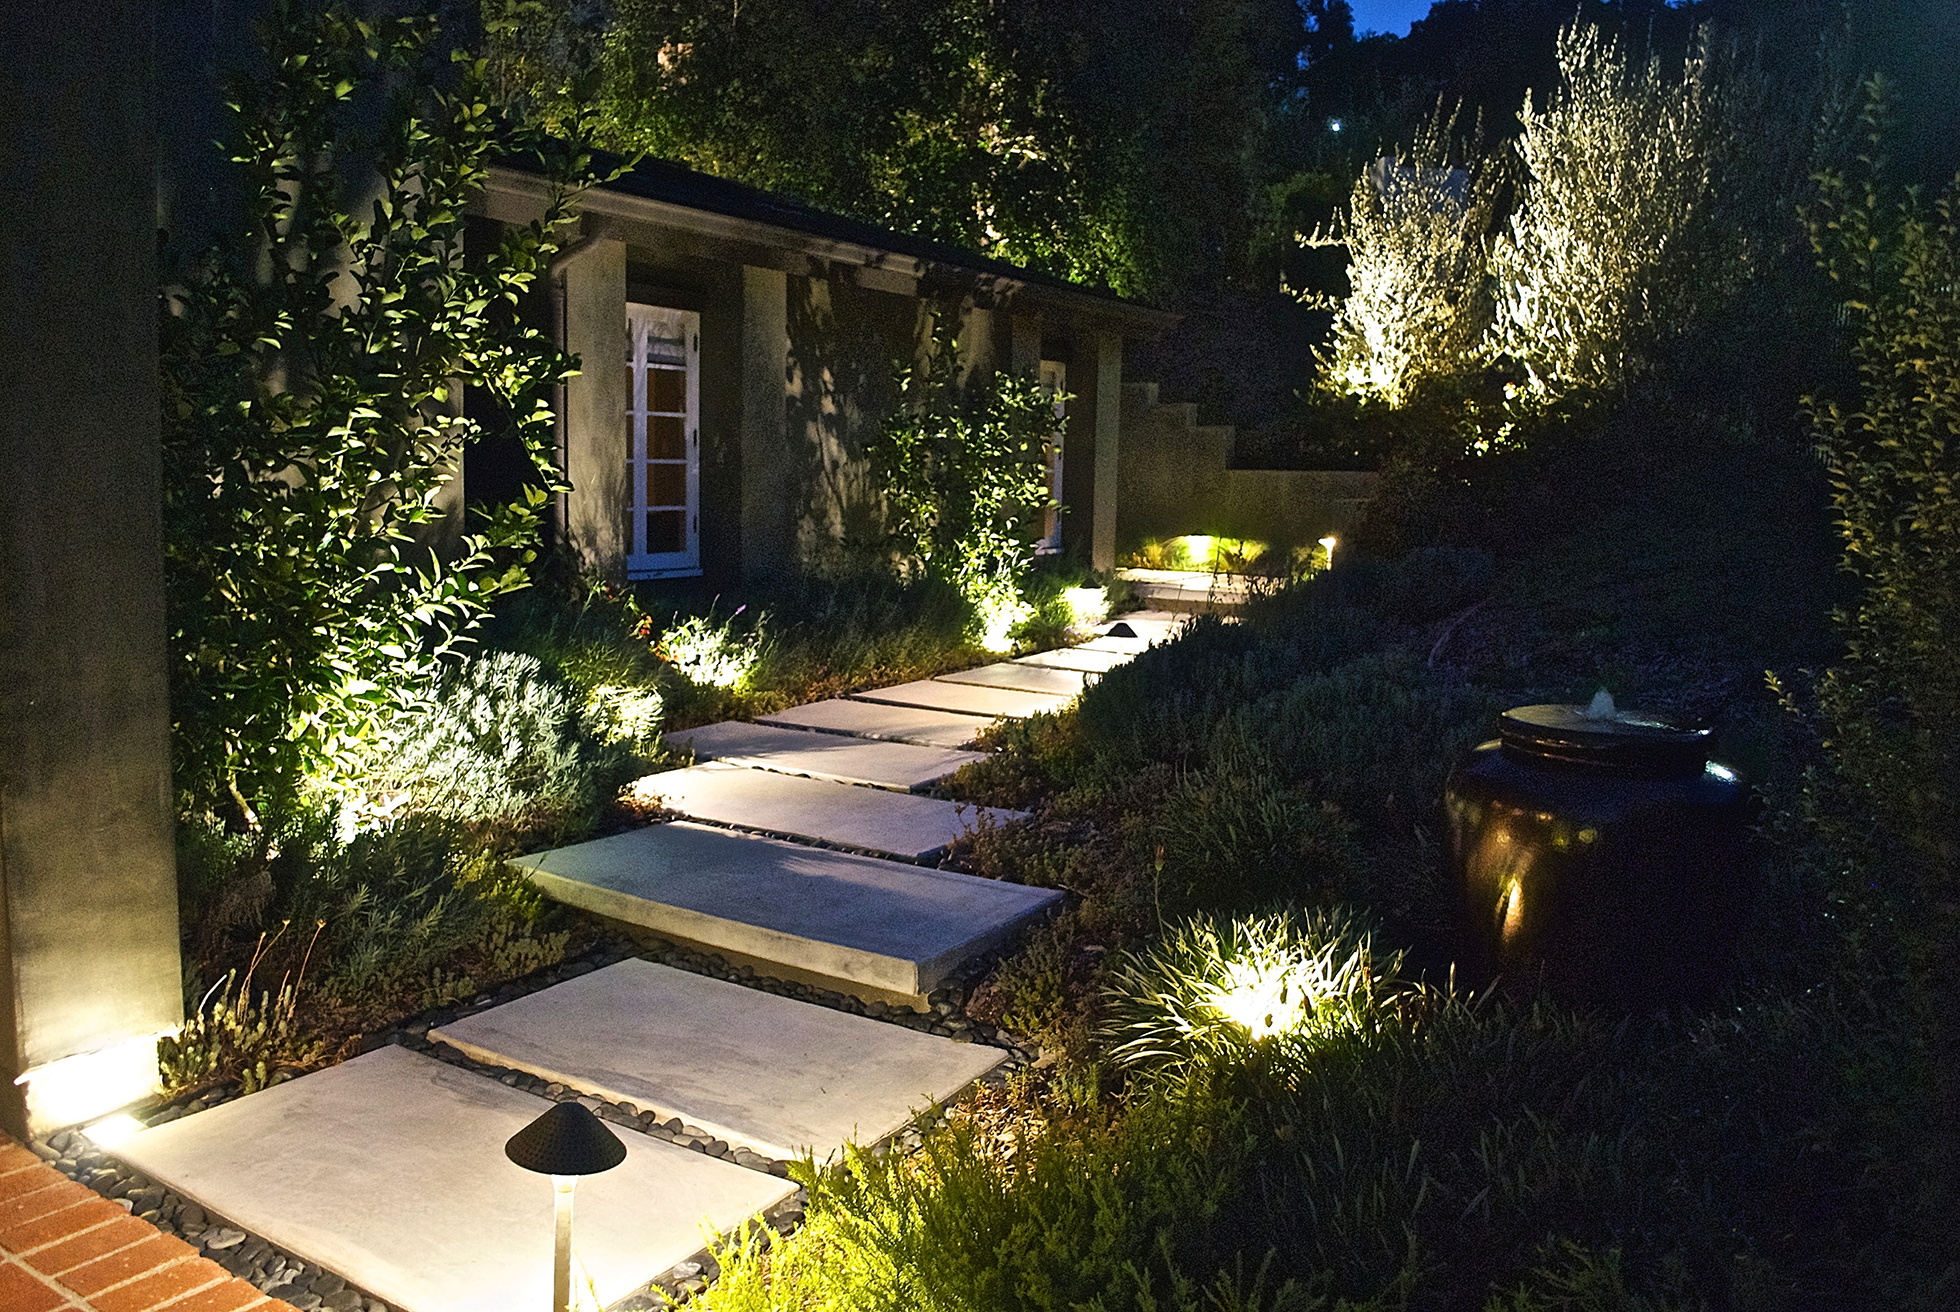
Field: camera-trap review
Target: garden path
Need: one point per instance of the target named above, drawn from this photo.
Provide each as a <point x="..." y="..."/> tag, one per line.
<point x="388" y="1171"/>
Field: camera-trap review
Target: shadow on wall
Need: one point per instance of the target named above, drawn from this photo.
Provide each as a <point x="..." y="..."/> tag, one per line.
<point x="843" y="340"/>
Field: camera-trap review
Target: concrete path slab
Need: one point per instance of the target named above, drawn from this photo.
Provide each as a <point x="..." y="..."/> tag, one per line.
<point x="903" y="767"/>
<point x="967" y="699"/>
<point x="1077" y="658"/>
<point x="1149" y="625"/>
<point x="389" y="1171"/>
<point x="780" y="1076"/>
<point x="1023" y="678"/>
<point x="815" y="810"/>
<point x="886" y="723"/>
<point x="856" y="920"/>
<point x="1115" y="646"/>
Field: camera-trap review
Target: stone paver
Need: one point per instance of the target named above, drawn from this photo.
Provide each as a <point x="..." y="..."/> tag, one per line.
<point x="856" y="920"/>
<point x="1077" y="658"/>
<point x="64" y="1249"/>
<point x="967" y="699"/>
<point x="1124" y="647"/>
<point x="882" y="722"/>
<point x="904" y="767"/>
<point x="1020" y="677"/>
<point x="780" y="1076"/>
<point x="816" y="810"/>
<point x="389" y="1170"/>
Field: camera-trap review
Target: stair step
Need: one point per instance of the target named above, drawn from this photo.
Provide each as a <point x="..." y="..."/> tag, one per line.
<point x="1020" y="677"/>
<point x="848" y="920"/>
<point x="388" y="1170"/>
<point x="873" y="820"/>
<point x="902" y="767"/>
<point x="882" y="722"/>
<point x="754" y="1069"/>
<point x="967" y="699"/>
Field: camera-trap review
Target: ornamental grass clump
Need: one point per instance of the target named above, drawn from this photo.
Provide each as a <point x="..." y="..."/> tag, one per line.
<point x="714" y="654"/>
<point x="1212" y="990"/>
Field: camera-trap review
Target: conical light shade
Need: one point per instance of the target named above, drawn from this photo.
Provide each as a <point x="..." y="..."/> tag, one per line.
<point x="1120" y="630"/>
<point x="566" y="1140"/>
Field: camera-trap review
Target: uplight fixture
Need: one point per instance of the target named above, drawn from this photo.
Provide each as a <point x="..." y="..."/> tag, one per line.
<point x="1330" y="542"/>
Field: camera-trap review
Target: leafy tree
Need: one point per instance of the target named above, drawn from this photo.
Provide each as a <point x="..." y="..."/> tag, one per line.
<point x="1113" y="143"/>
<point x="963" y="465"/>
<point x="1891" y="706"/>
<point x="313" y="367"/>
<point x="1588" y="271"/>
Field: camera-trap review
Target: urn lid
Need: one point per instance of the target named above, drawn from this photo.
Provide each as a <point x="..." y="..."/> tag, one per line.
<point x="1602" y="734"/>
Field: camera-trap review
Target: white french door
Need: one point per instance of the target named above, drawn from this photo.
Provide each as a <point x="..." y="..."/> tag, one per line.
<point x="1054" y="382"/>
<point x="663" y="441"/>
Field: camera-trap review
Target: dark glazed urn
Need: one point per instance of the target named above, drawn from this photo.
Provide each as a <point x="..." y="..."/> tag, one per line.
<point x="1600" y="854"/>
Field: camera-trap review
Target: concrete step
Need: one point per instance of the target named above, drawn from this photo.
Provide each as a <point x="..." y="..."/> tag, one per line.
<point x="873" y="820"/>
<point x="882" y="722"/>
<point x="1020" y="677"/>
<point x="875" y="928"/>
<point x="1076" y="658"/>
<point x="389" y="1171"/>
<point x="967" y="699"/>
<point x="902" y="767"/>
<point x="779" y="1076"/>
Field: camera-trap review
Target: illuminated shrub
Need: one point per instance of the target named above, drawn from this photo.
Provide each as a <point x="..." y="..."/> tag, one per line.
<point x="713" y="654"/>
<point x="1415" y="234"/>
<point x="1210" y="990"/>
<point x="1593" y="263"/>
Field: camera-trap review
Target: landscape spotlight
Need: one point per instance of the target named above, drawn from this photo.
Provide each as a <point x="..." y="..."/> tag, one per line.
<point x="1329" y="542"/>
<point x="566" y="1142"/>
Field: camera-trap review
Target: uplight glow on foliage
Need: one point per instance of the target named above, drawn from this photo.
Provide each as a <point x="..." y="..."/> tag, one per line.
<point x="1615" y="168"/>
<point x="712" y="654"/>
<point x="1208" y="989"/>
<point x="1414" y="231"/>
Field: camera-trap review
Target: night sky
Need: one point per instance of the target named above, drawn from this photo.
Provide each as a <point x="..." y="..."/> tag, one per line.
<point x="1387" y="15"/>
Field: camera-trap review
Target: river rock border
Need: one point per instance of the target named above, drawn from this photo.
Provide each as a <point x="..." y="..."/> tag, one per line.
<point x="312" y="1288"/>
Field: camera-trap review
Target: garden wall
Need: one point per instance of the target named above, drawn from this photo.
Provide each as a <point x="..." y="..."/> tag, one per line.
<point x="1176" y="478"/>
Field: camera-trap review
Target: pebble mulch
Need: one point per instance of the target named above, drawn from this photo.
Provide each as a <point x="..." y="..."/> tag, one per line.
<point x="311" y="1288"/>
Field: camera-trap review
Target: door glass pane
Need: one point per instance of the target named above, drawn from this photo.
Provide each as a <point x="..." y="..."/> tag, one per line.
<point x="666" y="531"/>
<point x="667" y="390"/>
<point x="666" y="438"/>
<point x="666" y="344"/>
<point x="667" y="483"/>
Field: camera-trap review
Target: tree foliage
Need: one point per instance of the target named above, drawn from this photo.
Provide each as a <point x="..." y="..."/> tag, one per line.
<point x="1588" y="270"/>
<point x="313" y="367"/>
<point x="964" y="468"/>
<point x="1113" y="143"/>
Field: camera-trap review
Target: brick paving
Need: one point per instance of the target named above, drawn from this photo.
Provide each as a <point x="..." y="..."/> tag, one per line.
<point x="64" y="1248"/>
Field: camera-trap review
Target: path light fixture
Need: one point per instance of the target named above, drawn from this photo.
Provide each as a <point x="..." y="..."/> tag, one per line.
<point x="566" y="1142"/>
<point x="1330" y="542"/>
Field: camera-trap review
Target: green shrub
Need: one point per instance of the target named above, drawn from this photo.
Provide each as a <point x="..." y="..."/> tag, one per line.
<point x="500" y="746"/>
<point x="1211" y="990"/>
<point x="1236" y="837"/>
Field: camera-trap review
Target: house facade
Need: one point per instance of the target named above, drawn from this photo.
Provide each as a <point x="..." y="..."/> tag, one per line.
<point x="736" y="356"/>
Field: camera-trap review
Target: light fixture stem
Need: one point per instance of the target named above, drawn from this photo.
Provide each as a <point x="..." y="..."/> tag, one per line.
<point x="561" y="1252"/>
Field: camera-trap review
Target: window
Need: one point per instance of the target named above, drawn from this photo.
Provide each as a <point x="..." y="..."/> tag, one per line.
<point x="663" y="441"/>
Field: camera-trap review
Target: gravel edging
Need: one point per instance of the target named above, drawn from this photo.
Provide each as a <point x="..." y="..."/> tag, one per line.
<point x="312" y="1288"/>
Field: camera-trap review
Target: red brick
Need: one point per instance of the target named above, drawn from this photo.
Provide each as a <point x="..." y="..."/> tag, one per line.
<point x="13" y="1157"/>
<point x="21" y="1292"/>
<point x="59" y="1193"/>
<point x="231" y="1296"/>
<point x="55" y="1226"/>
<point x="90" y="1244"/>
<point x="159" y="1287"/>
<point x="17" y="1184"/>
<point x="126" y="1264"/>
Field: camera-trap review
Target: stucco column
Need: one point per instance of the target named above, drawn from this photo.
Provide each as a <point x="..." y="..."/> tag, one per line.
<point x="89" y="970"/>
<point x="591" y="308"/>
<point x="768" y="490"/>
<point x="1090" y="466"/>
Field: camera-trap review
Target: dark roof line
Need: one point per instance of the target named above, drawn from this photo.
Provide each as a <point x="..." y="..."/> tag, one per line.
<point x="677" y="184"/>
